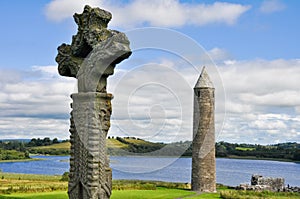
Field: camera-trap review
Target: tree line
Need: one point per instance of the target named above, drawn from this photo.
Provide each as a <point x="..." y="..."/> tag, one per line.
<point x="16" y="149"/>
<point x="23" y="145"/>
<point x="137" y="146"/>
<point x="288" y="151"/>
<point x="285" y="151"/>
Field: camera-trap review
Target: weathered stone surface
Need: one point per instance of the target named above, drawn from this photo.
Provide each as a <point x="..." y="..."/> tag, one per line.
<point x="68" y="64"/>
<point x="292" y="189"/>
<point x="204" y="80"/>
<point x="203" y="149"/>
<point x="276" y="184"/>
<point x="94" y="48"/>
<point x="93" y="73"/>
<point x="260" y="183"/>
<point x="91" y="58"/>
<point x="90" y="175"/>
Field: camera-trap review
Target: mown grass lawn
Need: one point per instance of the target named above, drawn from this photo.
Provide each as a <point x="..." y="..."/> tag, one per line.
<point x="49" y="195"/>
<point x="159" y="193"/>
<point x="14" y="186"/>
<point x="163" y="193"/>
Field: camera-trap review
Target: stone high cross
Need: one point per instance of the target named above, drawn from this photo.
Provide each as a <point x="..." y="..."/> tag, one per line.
<point x="91" y="58"/>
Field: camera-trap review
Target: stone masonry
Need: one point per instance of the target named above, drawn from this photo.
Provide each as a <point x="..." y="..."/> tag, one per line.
<point x="260" y="183"/>
<point x="91" y="58"/>
<point x="203" y="147"/>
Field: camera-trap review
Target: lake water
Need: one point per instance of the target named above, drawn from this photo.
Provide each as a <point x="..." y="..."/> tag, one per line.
<point x="229" y="171"/>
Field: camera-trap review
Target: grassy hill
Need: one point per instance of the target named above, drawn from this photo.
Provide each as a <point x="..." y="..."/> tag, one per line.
<point x="127" y="146"/>
<point x="111" y="143"/>
<point x="114" y="143"/>
<point x="118" y="146"/>
<point x="123" y="146"/>
<point x="63" y="145"/>
<point x="53" y="149"/>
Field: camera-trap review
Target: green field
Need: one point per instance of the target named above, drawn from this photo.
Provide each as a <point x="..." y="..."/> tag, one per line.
<point x="115" y="146"/>
<point x="244" y="148"/>
<point x="159" y="193"/>
<point x="50" y="195"/>
<point x="24" y="186"/>
<point x="63" y="145"/>
<point x="164" y="193"/>
<point x="24" y="183"/>
<point x="111" y="143"/>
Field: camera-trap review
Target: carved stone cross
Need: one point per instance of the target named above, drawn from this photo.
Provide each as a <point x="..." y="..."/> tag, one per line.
<point x="91" y="58"/>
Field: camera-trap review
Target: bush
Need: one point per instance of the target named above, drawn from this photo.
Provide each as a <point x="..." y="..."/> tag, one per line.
<point x="65" y="177"/>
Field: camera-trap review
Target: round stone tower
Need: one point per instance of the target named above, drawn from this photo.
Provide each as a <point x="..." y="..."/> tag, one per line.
<point x="203" y="149"/>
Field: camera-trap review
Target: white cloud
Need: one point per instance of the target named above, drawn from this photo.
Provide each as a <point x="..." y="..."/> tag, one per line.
<point x="279" y="98"/>
<point x="29" y="127"/>
<point x="163" y="13"/>
<point x="218" y="54"/>
<point x="46" y="70"/>
<point x="270" y="6"/>
<point x="58" y="10"/>
<point x="155" y="101"/>
<point x="152" y="102"/>
<point x="262" y="100"/>
<point x="268" y="124"/>
<point x="36" y="104"/>
<point x="238" y="107"/>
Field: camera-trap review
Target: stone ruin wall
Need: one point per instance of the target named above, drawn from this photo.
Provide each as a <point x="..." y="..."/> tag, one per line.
<point x="260" y="183"/>
<point x="274" y="183"/>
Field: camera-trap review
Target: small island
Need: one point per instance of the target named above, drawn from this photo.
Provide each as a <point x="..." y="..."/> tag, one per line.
<point x="10" y="151"/>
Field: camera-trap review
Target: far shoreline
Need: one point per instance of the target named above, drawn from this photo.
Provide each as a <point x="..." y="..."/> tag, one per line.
<point x="22" y="160"/>
<point x="255" y="158"/>
<point x="229" y="157"/>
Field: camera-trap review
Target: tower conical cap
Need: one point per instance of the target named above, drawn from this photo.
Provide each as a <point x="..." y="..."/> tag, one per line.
<point x="204" y="80"/>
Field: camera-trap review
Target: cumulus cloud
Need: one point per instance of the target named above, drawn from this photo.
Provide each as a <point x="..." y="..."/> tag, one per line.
<point x="262" y="100"/>
<point x="151" y="101"/>
<point x="36" y="103"/>
<point x="155" y="101"/>
<point x="163" y="13"/>
<point x="270" y="6"/>
<point x="219" y="55"/>
<point x="58" y="10"/>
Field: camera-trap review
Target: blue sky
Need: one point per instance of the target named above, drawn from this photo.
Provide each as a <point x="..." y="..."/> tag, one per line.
<point x="255" y="35"/>
<point x="255" y="45"/>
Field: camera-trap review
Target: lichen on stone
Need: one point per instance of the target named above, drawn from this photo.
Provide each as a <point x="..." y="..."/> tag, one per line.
<point x="94" y="49"/>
